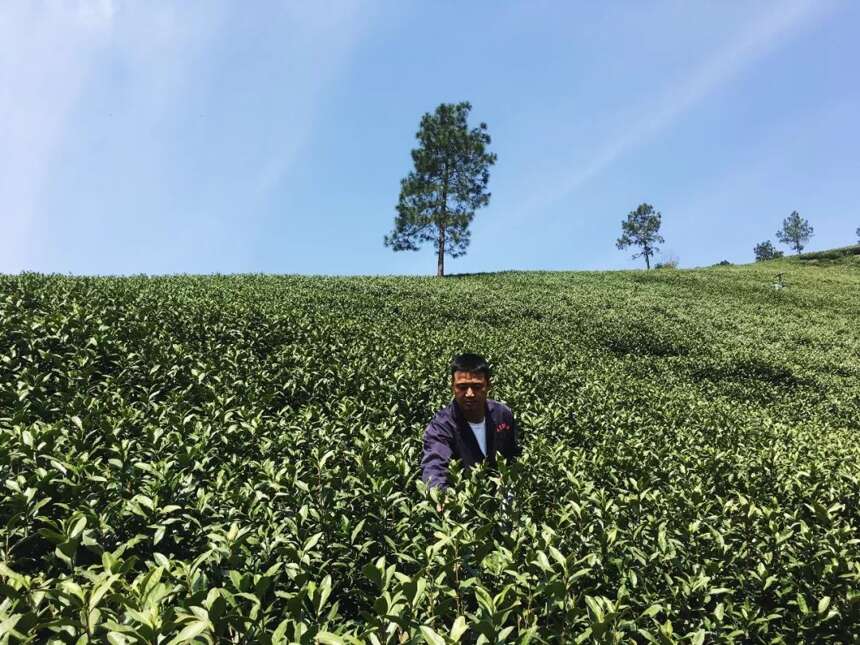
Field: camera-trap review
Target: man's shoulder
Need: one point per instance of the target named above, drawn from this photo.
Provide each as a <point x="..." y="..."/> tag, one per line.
<point x="444" y="417"/>
<point x="499" y="409"/>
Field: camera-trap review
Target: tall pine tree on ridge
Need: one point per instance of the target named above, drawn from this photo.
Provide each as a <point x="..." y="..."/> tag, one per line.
<point x="439" y="197"/>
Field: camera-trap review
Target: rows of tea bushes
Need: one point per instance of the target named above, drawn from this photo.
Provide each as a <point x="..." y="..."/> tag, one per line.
<point x="235" y="459"/>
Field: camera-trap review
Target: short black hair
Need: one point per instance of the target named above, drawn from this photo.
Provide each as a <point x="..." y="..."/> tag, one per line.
<point x="470" y="363"/>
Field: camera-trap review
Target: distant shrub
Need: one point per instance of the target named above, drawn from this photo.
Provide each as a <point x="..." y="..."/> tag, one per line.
<point x="723" y="263"/>
<point x="766" y="251"/>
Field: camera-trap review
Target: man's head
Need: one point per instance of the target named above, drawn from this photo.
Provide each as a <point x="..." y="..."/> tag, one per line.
<point x="470" y="382"/>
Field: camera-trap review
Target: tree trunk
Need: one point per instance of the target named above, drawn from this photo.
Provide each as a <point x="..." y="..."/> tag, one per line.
<point x="440" y="255"/>
<point x="647" y="255"/>
<point x="443" y="220"/>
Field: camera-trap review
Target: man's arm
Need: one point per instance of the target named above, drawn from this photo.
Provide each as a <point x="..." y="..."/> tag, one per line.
<point x="438" y="449"/>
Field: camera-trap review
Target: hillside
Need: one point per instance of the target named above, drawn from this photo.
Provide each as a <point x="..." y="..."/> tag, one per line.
<point x="235" y="457"/>
<point x="845" y="256"/>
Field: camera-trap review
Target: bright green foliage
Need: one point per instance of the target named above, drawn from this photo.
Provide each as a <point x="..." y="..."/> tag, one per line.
<point x="234" y="459"/>
<point x="642" y="229"/>
<point x="795" y="232"/>
<point x="439" y="197"/>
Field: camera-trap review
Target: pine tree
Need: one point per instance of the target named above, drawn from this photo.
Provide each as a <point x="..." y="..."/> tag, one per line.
<point x="642" y="229"/>
<point x="439" y="197"/>
<point x="795" y="232"/>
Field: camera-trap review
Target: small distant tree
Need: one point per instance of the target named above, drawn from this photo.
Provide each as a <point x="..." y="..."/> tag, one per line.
<point x="795" y="232"/>
<point x="766" y="251"/>
<point x="857" y="233"/>
<point x="439" y="197"/>
<point x="642" y="229"/>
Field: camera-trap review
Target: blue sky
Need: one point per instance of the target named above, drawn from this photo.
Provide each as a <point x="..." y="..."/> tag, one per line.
<point x="202" y="137"/>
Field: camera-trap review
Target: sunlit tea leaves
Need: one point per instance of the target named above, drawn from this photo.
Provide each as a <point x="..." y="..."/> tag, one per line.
<point x="236" y="459"/>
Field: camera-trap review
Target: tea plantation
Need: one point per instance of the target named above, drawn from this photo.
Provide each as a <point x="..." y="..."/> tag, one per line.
<point x="235" y="458"/>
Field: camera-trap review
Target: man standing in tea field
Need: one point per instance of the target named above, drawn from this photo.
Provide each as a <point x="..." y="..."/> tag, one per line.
<point x="472" y="428"/>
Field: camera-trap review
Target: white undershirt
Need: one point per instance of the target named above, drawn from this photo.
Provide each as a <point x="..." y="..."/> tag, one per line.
<point x="480" y="432"/>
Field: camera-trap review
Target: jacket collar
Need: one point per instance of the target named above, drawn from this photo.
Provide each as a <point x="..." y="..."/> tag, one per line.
<point x="469" y="437"/>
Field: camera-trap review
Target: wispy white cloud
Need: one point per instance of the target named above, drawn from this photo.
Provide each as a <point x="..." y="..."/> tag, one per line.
<point x="45" y="52"/>
<point x="124" y="76"/>
<point x="50" y="52"/>
<point x="762" y="36"/>
<point x="317" y="40"/>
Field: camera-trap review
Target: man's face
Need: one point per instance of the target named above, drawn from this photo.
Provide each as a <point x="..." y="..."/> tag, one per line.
<point x="470" y="392"/>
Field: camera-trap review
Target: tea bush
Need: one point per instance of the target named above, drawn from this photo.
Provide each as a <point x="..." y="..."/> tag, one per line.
<point x="235" y="459"/>
<point x="831" y="254"/>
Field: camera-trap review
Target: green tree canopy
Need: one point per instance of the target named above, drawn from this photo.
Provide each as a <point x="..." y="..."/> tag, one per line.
<point x="766" y="251"/>
<point x="642" y="229"/>
<point x="439" y="197"/>
<point x="795" y="232"/>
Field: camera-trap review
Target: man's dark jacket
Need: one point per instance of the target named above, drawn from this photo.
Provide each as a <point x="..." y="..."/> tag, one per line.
<point x="448" y="436"/>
